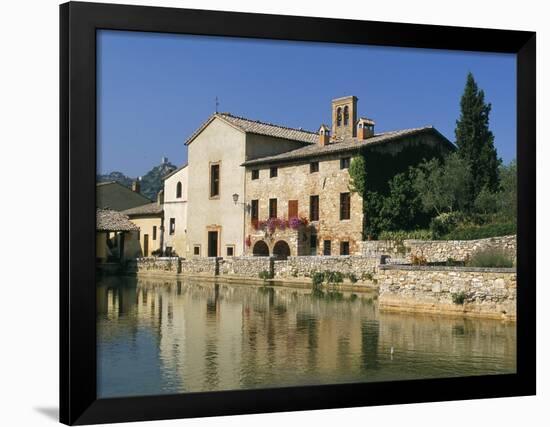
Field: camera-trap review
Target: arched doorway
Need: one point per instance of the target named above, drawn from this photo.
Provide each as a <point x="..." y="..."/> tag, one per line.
<point x="260" y="249"/>
<point x="281" y="250"/>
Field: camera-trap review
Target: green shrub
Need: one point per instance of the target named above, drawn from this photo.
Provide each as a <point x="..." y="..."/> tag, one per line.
<point x="367" y="276"/>
<point x="353" y="297"/>
<point x="459" y="298"/>
<point x="490" y="257"/>
<point x="352" y="277"/>
<point x="472" y="232"/>
<point x="445" y="223"/>
<point x="334" y="277"/>
<point x="317" y="278"/>
<point x="265" y="275"/>
<point x="401" y="235"/>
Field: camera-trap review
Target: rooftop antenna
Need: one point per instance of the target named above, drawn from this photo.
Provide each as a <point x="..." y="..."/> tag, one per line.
<point x="217" y="104"/>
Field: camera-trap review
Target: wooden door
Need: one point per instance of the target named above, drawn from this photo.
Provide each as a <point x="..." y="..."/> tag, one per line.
<point x="292" y="209"/>
<point x="212" y="243"/>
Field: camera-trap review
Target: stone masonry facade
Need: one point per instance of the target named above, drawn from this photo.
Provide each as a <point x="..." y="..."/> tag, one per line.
<point x="297" y="182"/>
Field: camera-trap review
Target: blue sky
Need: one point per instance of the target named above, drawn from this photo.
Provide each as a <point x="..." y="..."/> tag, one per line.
<point x="154" y="90"/>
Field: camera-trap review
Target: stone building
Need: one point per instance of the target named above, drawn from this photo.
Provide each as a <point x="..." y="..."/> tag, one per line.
<point x="299" y="202"/>
<point x="216" y="185"/>
<point x="264" y="189"/>
<point x="175" y="211"/>
<point x="149" y="219"/>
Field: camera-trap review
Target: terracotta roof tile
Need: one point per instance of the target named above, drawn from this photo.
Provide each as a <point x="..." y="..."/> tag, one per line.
<point x="109" y="220"/>
<point x="260" y="128"/>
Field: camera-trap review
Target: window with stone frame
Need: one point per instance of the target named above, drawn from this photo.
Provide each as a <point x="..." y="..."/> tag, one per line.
<point x="344" y="162"/>
<point x="255" y="173"/>
<point x="292" y="209"/>
<point x="314" y="208"/>
<point x="254" y="210"/>
<point x="172" y="228"/>
<point x="178" y="190"/>
<point x="273" y="208"/>
<point x="314" y="167"/>
<point x="344" y="248"/>
<point x="273" y="172"/>
<point x="154" y="232"/>
<point x="344" y="206"/>
<point x="214" y="180"/>
<point x="230" y="250"/>
<point x="197" y="250"/>
<point x="338" y="116"/>
<point x="326" y="247"/>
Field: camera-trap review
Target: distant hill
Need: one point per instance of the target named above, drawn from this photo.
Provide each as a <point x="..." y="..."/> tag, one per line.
<point x="151" y="182"/>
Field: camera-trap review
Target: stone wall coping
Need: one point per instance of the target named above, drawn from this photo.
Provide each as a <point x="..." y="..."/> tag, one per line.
<point x="446" y="268"/>
<point x="160" y="258"/>
<point x="421" y="241"/>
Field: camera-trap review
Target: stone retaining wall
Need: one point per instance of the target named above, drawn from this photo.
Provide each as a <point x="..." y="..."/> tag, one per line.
<point x="155" y="265"/>
<point x="203" y="266"/>
<point x="437" y="250"/>
<point x="305" y="266"/>
<point x="487" y="292"/>
<point x="246" y="266"/>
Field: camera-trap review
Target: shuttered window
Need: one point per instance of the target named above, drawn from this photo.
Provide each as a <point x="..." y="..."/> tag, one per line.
<point x="292" y="209"/>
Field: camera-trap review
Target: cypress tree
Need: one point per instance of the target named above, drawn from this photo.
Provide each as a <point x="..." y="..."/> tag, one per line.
<point x="475" y="141"/>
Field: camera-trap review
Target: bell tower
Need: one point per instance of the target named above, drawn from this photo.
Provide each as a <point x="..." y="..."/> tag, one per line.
<point x="344" y="118"/>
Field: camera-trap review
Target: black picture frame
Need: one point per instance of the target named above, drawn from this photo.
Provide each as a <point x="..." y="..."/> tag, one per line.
<point x="78" y="25"/>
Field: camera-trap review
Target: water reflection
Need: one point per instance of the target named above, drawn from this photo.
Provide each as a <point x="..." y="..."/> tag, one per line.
<point x="179" y="336"/>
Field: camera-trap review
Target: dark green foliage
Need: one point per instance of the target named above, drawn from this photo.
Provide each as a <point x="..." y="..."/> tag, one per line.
<point x="491" y="257"/>
<point x="384" y="181"/>
<point x="509" y="190"/>
<point x="265" y="275"/>
<point x="443" y="186"/>
<point x="472" y="232"/>
<point x="333" y="277"/>
<point x="475" y="141"/>
<point x="444" y="223"/>
<point x="317" y="278"/>
<point x="459" y="298"/>
<point x="352" y="277"/>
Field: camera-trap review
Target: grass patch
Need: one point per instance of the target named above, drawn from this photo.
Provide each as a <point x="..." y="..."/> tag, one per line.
<point x="490" y="257"/>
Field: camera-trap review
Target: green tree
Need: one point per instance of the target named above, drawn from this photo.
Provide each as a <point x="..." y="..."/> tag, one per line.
<point x="475" y="140"/>
<point x="443" y="186"/>
<point x="508" y="199"/>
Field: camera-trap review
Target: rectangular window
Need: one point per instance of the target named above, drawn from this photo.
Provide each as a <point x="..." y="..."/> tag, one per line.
<point x="326" y="247"/>
<point x="313" y="244"/>
<point x="214" y="180"/>
<point x="314" y="208"/>
<point x="254" y="210"/>
<point x="197" y="250"/>
<point x="273" y="172"/>
<point x="273" y="208"/>
<point x="292" y="209"/>
<point x="344" y="248"/>
<point x="230" y="250"/>
<point x="172" y="225"/>
<point x="314" y="167"/>
<point x="255" y="174"/>
<point x="139" y="235"/>
<point x="344" y="206"/>
<point x="154" y="232"/>
<point x="344" y="163"/>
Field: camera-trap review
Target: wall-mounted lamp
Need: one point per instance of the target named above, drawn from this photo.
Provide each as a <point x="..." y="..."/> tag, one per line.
<point x="236" y="201"/>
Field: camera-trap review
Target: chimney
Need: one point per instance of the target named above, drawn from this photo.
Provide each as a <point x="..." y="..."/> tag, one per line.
<point x="344" y="118"/>
<point x="324" y="135"/>
<point x="136" y="185"/>
<point x="365" y="128"/>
